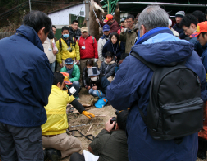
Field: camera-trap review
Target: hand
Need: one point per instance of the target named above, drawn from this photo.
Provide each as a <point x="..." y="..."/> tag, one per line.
<point x="61" y="65"/>
<point x="97" y="20"/>
<point x="77" y="61"/>
<point x="54" y="52"/>
<point x="109" y="126"/>
<point x="94" y="87"/>
<point x="95" y="60"/>
<point x="89" y="115"/>
<point x="122" y="30"/>
<point x="115" y="57"/>
<point x="89" y="87"/>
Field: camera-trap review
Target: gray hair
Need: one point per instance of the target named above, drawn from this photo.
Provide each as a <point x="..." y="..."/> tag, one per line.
<point x="153" y="16"/>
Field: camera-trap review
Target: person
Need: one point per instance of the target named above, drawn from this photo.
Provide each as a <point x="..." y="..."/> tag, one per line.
<point x="97" y="83"/>
<point x="131" y="87"/>
<point x="102" y="41"/>
<point x="108" y="66"/>
<point x="129" y="35"/>
<point x="74" y="74"/>
<point x="114" y="46"/>
<point x="57" y="142"/>
<point x="178" y="18"/>
<point x="86" y="78"/>
<point x="114" y="26"/>
<point x="74" y="31"/>
<point x="201" y="35"/>
<point x="110" y="144"/>
<point x="54" y="31"/>
<point x="189" y="25"/>
<point x="175" y="33"/>
<point x="50" y="50"/>
<point x="88" y="48"/>
<point x="199" y="15"/>
<point x="122" y="25"/>
<point x="25" y="84"/>
<point x="67" y="47"/>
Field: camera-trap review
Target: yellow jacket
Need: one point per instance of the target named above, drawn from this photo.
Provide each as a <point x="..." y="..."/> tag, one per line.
<point x="63" y="52"/>
<point x="57" y="122"/>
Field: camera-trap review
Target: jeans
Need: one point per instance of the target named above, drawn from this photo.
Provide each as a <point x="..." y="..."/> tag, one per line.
<point x="94" y="93"/>
<point x="52" y="66"/>
<point x="76" y="85"/>
<point x="20" y="144"/>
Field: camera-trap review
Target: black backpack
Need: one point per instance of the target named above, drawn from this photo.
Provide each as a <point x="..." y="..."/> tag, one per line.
<point x="175" y="107"/>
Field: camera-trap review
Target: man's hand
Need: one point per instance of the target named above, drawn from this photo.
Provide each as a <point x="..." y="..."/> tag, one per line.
<point x="122" y="30"/>
<point x="89" y="87"/>
<point x="89" y="115"/>
<point x="54" y="52"/>
<point x="61" y="65"/>
<point x="77" y="61"/>
<point x="94" y="87"/>
<point x="109" y="126"/>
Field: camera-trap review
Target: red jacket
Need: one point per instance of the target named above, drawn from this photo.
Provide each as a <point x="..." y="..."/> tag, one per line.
<point x="90" y="50"/>
<point x="114" y="27"/>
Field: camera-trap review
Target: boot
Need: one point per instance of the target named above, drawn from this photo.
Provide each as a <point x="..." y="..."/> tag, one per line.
<point x="53" y="154"/>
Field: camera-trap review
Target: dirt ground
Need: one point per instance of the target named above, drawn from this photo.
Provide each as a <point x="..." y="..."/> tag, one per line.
<point x="93" y="126"/>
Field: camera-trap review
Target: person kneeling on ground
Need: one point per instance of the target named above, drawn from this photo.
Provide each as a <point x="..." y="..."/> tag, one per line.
<point x="86" y="78"/>
<point x="54" y="130"/>
<point x="111" y="143"/>
<point x="74" y="74"/>
<point x="108" y="66"/>
<point x="97" y="83"/>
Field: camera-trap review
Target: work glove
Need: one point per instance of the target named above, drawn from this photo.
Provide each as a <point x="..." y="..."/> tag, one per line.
<point x="95" y="60"/>
<point x="87" y="114"/>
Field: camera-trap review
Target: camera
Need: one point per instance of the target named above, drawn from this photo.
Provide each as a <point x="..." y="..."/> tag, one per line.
<point x="113" y="119"/>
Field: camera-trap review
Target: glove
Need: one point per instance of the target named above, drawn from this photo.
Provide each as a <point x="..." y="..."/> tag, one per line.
<point x="95" y="60"/>
<point x="87" y="114"/>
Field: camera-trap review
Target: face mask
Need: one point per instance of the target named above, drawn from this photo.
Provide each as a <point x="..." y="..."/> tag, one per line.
<point x="66" y="35"/>
<point x="94" y="79"/>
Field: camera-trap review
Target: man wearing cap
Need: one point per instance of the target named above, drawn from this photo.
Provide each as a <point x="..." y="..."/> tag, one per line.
<point x="178" y="18"/>
<point x="102" y="41"/>
<point x="97" y="84"/>
<point x="74" y="74"/>
<point x="88" y="48"/>
<point x="122" y="25"/>
<point x="114" y="26"/>
<point x="189" y="25"/>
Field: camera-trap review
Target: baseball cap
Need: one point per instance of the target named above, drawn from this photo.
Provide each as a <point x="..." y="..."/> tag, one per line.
<point x="69" y="61"/>
<point x="201" y="27"/>
<point x="84" y="29"/>
<point x="93" y="71"/>
<point x="180" y="14"/>
<point x="108" y="17"/>
<point x="122" y="20"/>
<point x="106" y="28"/>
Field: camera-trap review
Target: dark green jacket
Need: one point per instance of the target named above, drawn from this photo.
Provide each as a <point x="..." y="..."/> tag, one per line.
<point x="75" y="74"/>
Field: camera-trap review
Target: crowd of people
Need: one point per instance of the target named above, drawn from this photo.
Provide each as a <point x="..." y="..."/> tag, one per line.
<point x="40" y="75"/>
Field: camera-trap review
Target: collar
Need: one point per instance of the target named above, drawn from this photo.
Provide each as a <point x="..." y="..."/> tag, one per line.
<point x="55" y="87"/>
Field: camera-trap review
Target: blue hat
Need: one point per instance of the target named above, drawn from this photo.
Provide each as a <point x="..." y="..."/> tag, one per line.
<point x="106" y="28"/>
<point x="93" y="71"/>
<point x="69" y="61"/>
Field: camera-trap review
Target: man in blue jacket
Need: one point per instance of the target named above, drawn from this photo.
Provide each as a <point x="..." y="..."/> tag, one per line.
<point x="131" y="87"/>
<point x="25" y="85"/>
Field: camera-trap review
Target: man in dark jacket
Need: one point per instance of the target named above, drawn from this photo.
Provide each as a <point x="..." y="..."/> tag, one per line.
<point x="25" y="84"/>
<point x="131" y="87"/>
<point x="178" y="17"/>
<point x="74" y="31"/>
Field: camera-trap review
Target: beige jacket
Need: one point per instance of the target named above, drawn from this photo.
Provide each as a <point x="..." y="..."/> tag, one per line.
<point x="48" y="49"/>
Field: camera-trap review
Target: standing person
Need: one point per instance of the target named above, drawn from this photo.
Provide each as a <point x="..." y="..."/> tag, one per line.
<point x="67" y="47"/>
<point x="178" y="18"/>
<point x="25" y="85"/>
<point x="54" y="31"/>
<point x="50" y="50"/>
<point x="199" y="15"/>
<point x="74" y="31"/>
<point x="102" y="41"/>
<point x="88" y="48"/>
<point x="128" y="36"/>
<point x="201" y="35"/>
<point x="122" y="25"/>
<point x="114" y="26"/>
<point x="114" y="46"/>
<point x="74" y="74"/>
<point x="189" y="25"/>
<point x="132" y="84"/>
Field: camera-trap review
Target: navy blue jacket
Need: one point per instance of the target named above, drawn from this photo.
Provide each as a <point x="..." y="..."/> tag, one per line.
<point x="26" y="79"/>
<point x="116" y="49"/>
<point x="197" y="46"/>
<point x="179" y="29"/>
<point x="131" y="89"/>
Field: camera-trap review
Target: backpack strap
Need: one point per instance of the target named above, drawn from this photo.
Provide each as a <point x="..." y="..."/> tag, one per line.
<point x="60" y="44"/>
<point x="149" y="65"/>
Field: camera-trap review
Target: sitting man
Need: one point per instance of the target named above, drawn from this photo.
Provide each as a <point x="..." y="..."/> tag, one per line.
<point x="74" y="74"/>
<point x="54" y="130"/>
<point x="97" y="83"/>
<point x="111" y="143"/>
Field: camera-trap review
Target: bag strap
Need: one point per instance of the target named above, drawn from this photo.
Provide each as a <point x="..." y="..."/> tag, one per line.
<point x="60" y="44"/>
<point x="149" y="65"/>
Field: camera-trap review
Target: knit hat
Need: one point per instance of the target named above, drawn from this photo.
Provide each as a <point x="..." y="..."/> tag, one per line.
<point x="180" y="14"/>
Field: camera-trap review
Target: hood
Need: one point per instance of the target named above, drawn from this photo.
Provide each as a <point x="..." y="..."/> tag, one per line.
<point x="161" y="47"/>
<point x="30" y="34"/>
<point x="112" y="62"/>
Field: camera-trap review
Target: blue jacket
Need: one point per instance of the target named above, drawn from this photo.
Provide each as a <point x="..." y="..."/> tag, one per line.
<point x="197" y="46"/>
<point x="117" y="49"/>
<point x="26" y="79"/>
<point x="179" y="29"/>
<point x="131" y="88"/>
